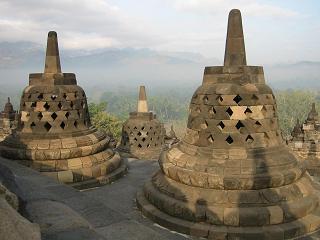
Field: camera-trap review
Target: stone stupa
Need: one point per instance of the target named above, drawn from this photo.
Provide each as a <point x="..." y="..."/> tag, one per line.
<point x="305" y="141"/>
<point x="8" y="120"/>
<point x="232" y="176"/>
<point x="142" y="134"/>
<point x="54" y="133"/>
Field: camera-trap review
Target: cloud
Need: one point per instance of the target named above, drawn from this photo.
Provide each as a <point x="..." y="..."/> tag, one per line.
<point x="249" y="7"/>
<point x="79" y="23"/>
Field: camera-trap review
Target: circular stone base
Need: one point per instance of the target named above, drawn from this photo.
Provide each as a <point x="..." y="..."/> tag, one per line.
<point x="142" y="155"/>
<point x="291" y="230"/>
<point x="109" y="178"/>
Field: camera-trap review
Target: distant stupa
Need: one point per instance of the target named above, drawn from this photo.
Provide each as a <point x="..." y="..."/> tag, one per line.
<point x="54" y="134"/>
<point x="306" y="141"/>
<point x="8" y="120"/>
<point x="142" y="134"/>
<point x="231" y="176"/>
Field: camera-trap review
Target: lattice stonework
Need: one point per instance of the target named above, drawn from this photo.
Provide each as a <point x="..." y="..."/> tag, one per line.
<point x="232" y="119"/>
<point x="142" y="137"/>
<point x="54" y="109"/>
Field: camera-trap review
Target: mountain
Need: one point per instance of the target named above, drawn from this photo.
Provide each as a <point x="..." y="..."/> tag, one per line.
<point x="120" y="69"/>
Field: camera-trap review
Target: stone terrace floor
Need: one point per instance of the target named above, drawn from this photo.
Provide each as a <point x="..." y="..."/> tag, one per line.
<point x="110" y="210"/>
<point x="104" y="213"/>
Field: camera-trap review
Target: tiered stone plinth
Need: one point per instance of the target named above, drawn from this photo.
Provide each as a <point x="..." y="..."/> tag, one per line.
<point x="231" y="176"/>
<point x="55" y="135"/>
<point x="8" y="120"/>
<point x="305" y="142"/>
<point x="142" y="134"/>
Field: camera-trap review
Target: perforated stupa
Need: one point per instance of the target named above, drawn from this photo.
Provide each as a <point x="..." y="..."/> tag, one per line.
<point x="54" y="133"/>
<point x="142" y="134"/>
<point x="231" y="176"/>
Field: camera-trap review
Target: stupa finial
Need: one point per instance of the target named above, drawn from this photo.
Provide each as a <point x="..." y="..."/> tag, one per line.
<point x="8" y="99"/>
<point x="142" y="102"/>
<point x="52" y="64"/>
<point x="235" y="53"/>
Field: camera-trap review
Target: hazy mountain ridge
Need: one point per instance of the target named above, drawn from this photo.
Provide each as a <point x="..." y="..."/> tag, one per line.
<point x="129" y="67"/>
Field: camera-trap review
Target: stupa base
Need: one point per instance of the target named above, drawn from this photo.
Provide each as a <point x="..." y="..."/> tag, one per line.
<point x="308" y="225"/>
<point x="142" y="155"/>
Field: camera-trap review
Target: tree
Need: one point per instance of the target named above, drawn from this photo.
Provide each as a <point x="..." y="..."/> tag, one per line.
<point x="101" y="119"/>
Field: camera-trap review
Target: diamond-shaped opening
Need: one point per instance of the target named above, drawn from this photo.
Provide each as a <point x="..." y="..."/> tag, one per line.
<point x="135" y="139"/>
<point x="139" y="133"/>
<point x="237" y="99"/>
<point x="67" y="115"/>
<point x="221" y="125"/>
<point x="151" y="139"/>
<point x="211" y="139"/>
<point x="33" y="104"/>
<point x="76" y="94"/>
<point x="155" y="144"/>
<point x="229" y="140"/>
<point x="135" y="128"/>
<point x="204" y="125"/>
<point x="40" y="115"/>
<point x="254" y="97"/>
<point x="143" y="139"/>
<point x="29" y="96"/>
<point x="229" y="111"/>
<point x="148" y="145"/>
<point x="249" y="139"/>
<point x="32" y="125"/>
<point x="212" y="111"/>
<point x="266" y="135"/>
<point x="62" y="125"/>
<point x="264" y="110"/>
<point x="60" y="105"/>
<point x="40" y="96"/>
<point x="239" y="125"/>
<point x="205" y="99"/>
<point x="46" y="106"/>
<point x="147" y="133"/>
<point x="65" y="96"/>
<point x="267" y="96"/>
<point x="47" y="126"/>
<point x="79" y="114"/>
<point x="219" y="99"/>
<point x="150" y="128"/>
<point x="248" y="110"/>
<point x="139" y="145"/>
<point x="54" y="116"/>
<point x="53" y="97"/>
<point x="75" y="124"/>
<point x="71" y="104"/>
<point x="258" y="124"/>
<point x="24" y="104"/>
<point x="131" y="133"/>
<point x="142" y="128"/>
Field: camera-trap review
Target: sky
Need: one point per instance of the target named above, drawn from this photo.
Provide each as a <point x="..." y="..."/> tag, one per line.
<point x="285" y="31"/>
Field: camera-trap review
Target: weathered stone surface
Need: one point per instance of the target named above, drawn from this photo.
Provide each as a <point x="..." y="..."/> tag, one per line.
<point x="12" y="225"/>
<point x="232" y="176"/>
<point x="54" y="134"/>
<point x="142" y="134"/>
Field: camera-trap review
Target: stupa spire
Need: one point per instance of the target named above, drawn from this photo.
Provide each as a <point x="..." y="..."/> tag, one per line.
<point x="142" y="102"/>
<point x="235" y="53"/>
<point x="52" y="64"/>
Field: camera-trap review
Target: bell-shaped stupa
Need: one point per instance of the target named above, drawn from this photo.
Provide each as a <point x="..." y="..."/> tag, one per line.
<point x="142" y="134"/>
<point x="8" y="120"/>
<point x="54" y="133"/>
<point x="305" y="142"/>
<point x="232" y="176"/>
